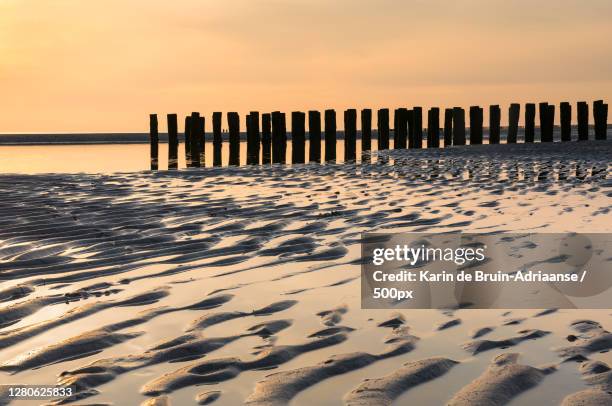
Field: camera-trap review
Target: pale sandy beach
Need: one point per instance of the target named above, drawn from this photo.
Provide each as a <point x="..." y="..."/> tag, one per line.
<point x="241" y="285"/>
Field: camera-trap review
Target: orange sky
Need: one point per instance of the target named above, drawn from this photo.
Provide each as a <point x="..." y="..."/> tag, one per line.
<point x="104" y="65"/>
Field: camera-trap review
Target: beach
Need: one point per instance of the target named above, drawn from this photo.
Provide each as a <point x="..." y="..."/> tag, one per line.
<point x="236" y="285"/>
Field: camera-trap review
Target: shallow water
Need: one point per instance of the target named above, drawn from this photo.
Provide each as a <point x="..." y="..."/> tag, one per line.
<point x="176" y="238"/>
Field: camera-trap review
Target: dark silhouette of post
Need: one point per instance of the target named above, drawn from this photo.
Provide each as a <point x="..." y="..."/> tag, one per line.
<point x="298" y="137"/>
<point x="494" y="124"/>
<point x="330" y="135"/>
<point x="233" y="125"/>
<point x="583" y="121"/>
<point x="314" y="136"/>
<point x="172" y="141"/>
<point x="476" y="125"/>
<point x="547" y="116"/>
<point x="417" y="114"/>
<point x="530" y="114"/>
<point x="217" y="138"/>
<point x="400" y="130"/>
<point x="383" y="129"/>
<point x="565" y="111"/>
<point x="366" y="130"/>
<point x="410" y="123"/>
<point x="514" y="113"/>
<point x="600" y="115"/>
<point x="458" y="126"/>
<point x="448" y="127"/>
<point x="202" y="141"/>
<point x="266" y="138"/>
<point x="154" y="140"/>
<point x="433" y="128"/>
<point x="279" y="138"/>
<point x="188" y="141"/>
<point x="350" y="135"/>
<point x="253" y="138"/>
<point x="194" y="135"/>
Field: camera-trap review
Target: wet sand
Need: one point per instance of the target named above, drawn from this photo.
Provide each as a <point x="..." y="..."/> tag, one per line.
<point x="241" y="285"/>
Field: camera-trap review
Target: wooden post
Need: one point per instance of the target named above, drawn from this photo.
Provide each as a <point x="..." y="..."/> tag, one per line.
<point x="513" y="120"/>
<point x="314" y="136"/>
<point x="366" y="130"/>
<point x="583" y="121"/>
<point x="154" y="139"/>
<point x="202" y="141"/>
<point x="298" y="137"/>
<point x="530" y="113"/>
<point x="194" y="136"/>
<point x="350" y="135"/>
<point x="383" y="129"/>
<point x="266" y="138"/>
<point x="600" y="114"/>
<point x="217" y="138"/>
<point x="475" y="125"/>
<point x="458" y="126"/>
<point x="279" y="138"/>
<point x="565" y="110"/>
<point x="172" y="141"/>
<point x="400" y="130"/>
<point x="547" y="115"/>
<point x="330" y="135"/>
<point x="410" y="124"/>
<point x="494" y="124"/>
<point x="188" y="142"/>
<point x="253" y="138"/>
<point x="433" y="128"/>
<point x="417" y="114"/>
<point x="233" y="125"/>
<point x="448" y="127"/>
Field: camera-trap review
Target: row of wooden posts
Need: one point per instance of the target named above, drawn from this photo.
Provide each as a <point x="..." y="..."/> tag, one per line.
<point x="270" y="139"/>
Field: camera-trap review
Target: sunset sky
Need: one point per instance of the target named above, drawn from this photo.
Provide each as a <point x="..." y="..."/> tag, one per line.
<point x="104" y="65"/>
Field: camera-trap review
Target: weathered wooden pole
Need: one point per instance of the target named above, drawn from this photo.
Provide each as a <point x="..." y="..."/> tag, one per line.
<point x="188" y="142"/>
<point x="172" y="141"/>
<point x="366" y="130"/>
<point x="600" y="114"/>
<point x="233" y="125"/>
<point x="400" y="130"/>
<point x="383" y="129"/>
<point x="458" y="126"/>
<point x="417" y="114"/>
<point x="330" y="135"/>
<point x="410" y="124"/>
<point x="514" y="113"/>
<point x="217" y="138"/>
<point x="202" y="141"/>
<point x="494" y="124"/>
<point x="194" y="136"/>
<point x="253" y="138"/>
<point x="350" y="135"/>
<point x="475" y="125"/>
<point x="583" y="121"/>
<point x="314" y="136"/>
<point x="547" y="116"/>
<point x="279" y="138"/>
<point x="448" y="127"/>
<point x="298" y="137"/>
<point x="530" y="114"/>
<point x="154" y="140"/>
<point x="433" y="128"/>
<point x="565" y="111"/>
<point x="266" y="138"/>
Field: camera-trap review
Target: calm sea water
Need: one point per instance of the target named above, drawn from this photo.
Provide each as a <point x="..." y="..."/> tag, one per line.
<point x="107" y="158"/>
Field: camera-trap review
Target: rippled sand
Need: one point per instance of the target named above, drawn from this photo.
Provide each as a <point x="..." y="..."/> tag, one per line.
<point x="234" y="285"/>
